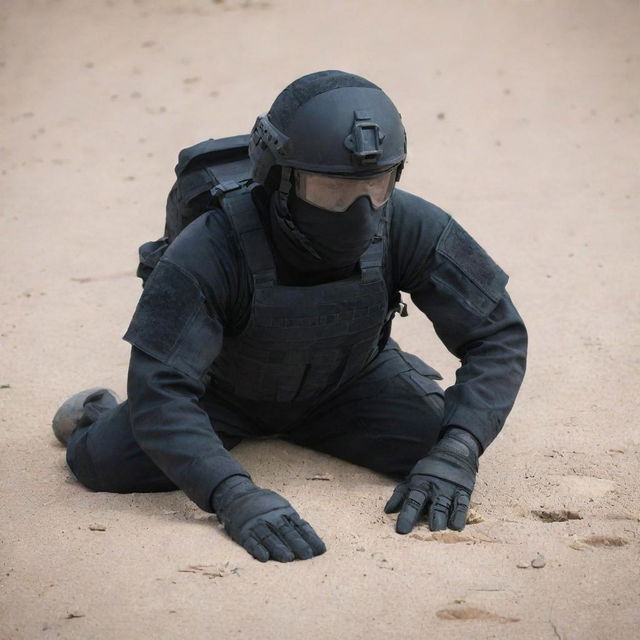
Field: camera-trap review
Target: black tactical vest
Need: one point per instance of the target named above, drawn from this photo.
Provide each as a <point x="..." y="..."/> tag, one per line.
<point x="300" y="342"/>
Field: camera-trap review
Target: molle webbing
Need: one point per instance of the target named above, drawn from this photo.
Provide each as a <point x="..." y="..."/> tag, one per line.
<point x="301" y="342"/>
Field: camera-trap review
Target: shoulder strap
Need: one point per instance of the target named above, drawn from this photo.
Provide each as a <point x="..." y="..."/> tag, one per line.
<point x="243" y="215"/>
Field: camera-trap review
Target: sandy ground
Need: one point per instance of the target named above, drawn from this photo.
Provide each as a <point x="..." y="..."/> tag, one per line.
<point x="523" y="121"/>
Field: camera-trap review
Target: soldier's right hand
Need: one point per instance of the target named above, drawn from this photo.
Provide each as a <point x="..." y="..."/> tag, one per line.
<point x="263" y="522"/>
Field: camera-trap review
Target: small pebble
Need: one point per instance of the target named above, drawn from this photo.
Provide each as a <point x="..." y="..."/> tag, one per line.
<point x="523" y="565"/>
<point x="97" y="527"/>
<point x="538" y="562"/>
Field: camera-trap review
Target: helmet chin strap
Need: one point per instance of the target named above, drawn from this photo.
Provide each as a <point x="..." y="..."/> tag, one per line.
<point x="284" y="219"/>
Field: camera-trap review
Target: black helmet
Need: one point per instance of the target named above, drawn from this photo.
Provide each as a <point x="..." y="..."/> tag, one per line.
<point x="329" y="122"/>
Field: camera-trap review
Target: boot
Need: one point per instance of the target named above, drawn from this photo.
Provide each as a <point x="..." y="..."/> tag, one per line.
<point x="68" y="416"/>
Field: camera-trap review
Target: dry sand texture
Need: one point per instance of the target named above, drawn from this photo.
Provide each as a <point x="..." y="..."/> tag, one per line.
<point x="523" y="121"/>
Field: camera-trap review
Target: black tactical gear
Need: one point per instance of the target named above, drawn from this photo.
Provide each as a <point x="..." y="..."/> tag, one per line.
<point x="270" y="316"/>
<point x="459" y="288"/>
<point x="355" y="144"/>
<point x="322" y="239"/>
<point x="386" y="418"/>
<point x="200" y="170"/>
<point x="300" y="343"/>
<point x="205" y="171"/>
<point x="263" y="522"/>
<point x="329" y="122"/>
<point x="440" y="484"/>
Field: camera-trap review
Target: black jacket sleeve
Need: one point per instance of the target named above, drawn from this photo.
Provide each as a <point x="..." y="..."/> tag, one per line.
<point x="176" y="333"/>
<point x="174" y="431"/>
<point x="462" y="291"/>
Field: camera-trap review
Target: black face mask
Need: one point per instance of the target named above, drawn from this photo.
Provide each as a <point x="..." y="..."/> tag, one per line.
<point x="314" y="240"/>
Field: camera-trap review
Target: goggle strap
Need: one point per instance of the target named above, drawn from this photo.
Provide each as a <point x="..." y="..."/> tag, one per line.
<point x="285" y="183"/>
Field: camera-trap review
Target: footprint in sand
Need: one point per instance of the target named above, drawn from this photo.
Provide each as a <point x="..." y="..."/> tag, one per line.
<point x="447" y="537"/>
<point x="605" y="541"/>
<point x="560" y="515"/>
<point x="471" y="613"/>
<point x="583" y="486"/>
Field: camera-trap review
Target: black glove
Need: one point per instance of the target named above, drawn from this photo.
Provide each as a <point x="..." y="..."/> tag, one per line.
<point x="440" y="484"/>
<point x="263" y="522"/>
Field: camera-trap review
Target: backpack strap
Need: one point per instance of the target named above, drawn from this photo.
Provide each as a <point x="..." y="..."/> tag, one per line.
<point x="238" y="204"/>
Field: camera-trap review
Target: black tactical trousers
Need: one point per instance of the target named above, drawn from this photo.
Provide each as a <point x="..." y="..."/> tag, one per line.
<point x="386" y="419"/>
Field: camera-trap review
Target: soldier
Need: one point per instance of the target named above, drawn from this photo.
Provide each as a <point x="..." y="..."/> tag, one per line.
<point x="270" y="316"/>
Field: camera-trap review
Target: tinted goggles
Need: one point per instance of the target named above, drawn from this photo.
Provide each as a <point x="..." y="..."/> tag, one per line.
<point x="338" y="193"/>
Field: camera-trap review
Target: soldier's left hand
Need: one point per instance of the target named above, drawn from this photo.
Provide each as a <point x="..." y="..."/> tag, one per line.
<point x="439" y="486"/>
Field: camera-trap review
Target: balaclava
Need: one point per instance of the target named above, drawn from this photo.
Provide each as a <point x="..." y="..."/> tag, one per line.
<point x="314" y="240"/>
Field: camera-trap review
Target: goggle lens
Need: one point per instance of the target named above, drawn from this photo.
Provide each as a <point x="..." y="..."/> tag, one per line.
<point x="337" y="193"/>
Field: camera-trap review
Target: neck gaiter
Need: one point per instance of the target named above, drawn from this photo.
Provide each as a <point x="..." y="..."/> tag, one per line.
<point x="314" y="240"/>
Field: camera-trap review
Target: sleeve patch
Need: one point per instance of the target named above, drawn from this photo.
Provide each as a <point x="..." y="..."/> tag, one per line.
<point x="171" y="323"/>
<point x="461" y="249"/>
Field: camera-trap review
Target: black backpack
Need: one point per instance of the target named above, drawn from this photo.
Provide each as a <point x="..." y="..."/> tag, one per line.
<point x="204" y="173"/>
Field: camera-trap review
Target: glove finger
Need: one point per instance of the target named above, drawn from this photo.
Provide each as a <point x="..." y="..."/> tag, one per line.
<point x="397" y="498"/>
<point x="294" y="540"/>
<point x="411" y="511"/>
<point x="256" y="549"/>
<point x="309" y="535"/>
<point x="269" y="539"/>
<point x="439" y="513"/>
<point x="459" y="511"/>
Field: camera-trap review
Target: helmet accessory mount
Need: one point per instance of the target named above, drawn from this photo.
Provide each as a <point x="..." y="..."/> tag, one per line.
<point x="365" y="139"/>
